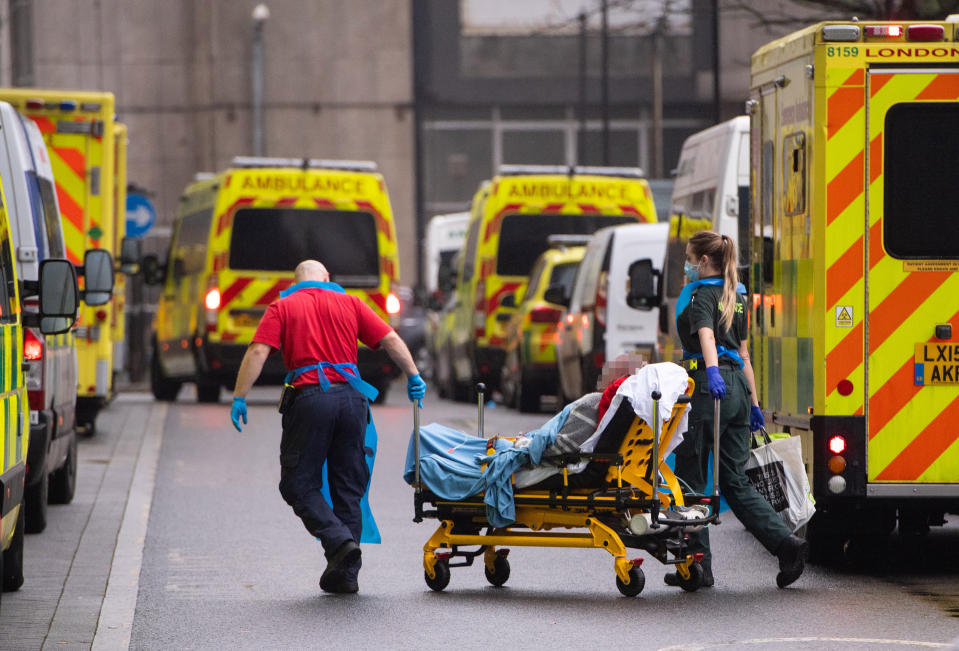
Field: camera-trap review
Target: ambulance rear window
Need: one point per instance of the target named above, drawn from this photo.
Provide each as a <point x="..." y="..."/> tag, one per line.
<point x="277" y="239"/>
<point x="522" y="237"/>
<point x="920" y="189"/>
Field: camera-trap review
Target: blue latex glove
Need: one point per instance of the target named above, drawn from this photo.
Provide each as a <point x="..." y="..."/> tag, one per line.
<point x="756" y="420"/>
<point x="416" y="389"/>
<point x="717" y="386"/>
<point x="238" y="411"/>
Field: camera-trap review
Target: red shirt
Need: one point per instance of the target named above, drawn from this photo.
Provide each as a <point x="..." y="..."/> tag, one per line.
<point x="608" y="397"/>
<point x="318" y="325"/>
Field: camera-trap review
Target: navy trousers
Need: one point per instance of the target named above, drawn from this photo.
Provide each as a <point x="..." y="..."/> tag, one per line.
<point x="326" y="427"/>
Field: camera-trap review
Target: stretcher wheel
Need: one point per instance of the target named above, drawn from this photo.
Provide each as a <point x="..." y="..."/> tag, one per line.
<point x="695" y="579"/>
<point x="442" y="578"/>
<point x="500" y="572"/>
<point x="637" y="581"/>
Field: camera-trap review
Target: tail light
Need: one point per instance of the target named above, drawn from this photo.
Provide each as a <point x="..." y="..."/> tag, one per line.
<point x="479" y="309"/>
<point x="545" y="315"/>
<point x="837" y="444"/>
<point x="602" y="291"/>
<point x="101" y="315"/>
<point x="32" y="347"/>
<point x="212" y="303"/>
<point x="883" y="31"/>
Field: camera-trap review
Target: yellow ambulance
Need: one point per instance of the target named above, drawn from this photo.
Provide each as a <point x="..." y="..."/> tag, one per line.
<point x="512" y="216"/>
<point x="237" y="237"/>
<point x="80" y="132"/>
<point x="855" y="268"/>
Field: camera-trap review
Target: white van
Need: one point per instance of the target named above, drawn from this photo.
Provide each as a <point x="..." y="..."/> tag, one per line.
<point x="50" y="360"/>
<point x="445" y="235"/>
<point x="711" y="192"/>
<point x="602" y="322"/>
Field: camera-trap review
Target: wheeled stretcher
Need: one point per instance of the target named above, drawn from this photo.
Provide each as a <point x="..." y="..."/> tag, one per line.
<point x="631" y="504"/>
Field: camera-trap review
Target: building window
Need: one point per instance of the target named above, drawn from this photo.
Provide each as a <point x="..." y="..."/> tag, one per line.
<point x="21" y="42"/>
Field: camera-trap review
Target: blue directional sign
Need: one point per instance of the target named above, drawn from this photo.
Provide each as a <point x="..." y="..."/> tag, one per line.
<point x="141" y="215"/>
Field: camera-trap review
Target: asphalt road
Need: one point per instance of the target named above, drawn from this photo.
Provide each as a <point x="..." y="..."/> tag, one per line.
<point x="222" y="562"/>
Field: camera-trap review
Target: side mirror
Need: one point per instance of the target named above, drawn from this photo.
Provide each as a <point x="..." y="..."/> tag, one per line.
<point x="97" y="276"/>
<point x="131" y="250"/>
<point x="557" y="295"/>
<point x="153" y="272"/>
<point x="642" y="291"/>
<point x="59" y="297"/>
<point x="508" y="301"/>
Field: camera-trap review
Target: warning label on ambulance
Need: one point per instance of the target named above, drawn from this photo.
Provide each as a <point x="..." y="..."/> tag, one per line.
<point x="930" y="265"/>
<point x="844" y="316"/>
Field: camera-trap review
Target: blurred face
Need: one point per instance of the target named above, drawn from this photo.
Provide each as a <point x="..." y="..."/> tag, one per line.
<point x="626" y="364"/>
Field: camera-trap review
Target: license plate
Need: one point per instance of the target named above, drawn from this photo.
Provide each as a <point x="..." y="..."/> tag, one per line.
<point x="245" y="321"/>
<point x="937" y="363"/>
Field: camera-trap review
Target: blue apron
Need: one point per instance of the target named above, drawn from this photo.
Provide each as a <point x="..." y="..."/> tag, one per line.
<point x="350" y="373"/>
<point x="685" y="297"/>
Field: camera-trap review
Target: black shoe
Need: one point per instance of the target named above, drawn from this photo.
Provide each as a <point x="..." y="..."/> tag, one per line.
<point x="792" y="560"/>
<point x="673" y="578"/>
<point x="334" y="577"/>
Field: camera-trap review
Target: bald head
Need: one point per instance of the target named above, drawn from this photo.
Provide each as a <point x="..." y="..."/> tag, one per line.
<point x="311" y="270"/>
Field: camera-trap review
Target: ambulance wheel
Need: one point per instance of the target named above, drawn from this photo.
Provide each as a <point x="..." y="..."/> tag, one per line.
<point x="208" y="392"/>
<point x="500" y="573"/>
<point x="164" y="389"/>
<point x="637" y="581"/>
<point x="63" y="482"/>
<point x="442" y="578"/>
<point x="695" y="579"/>
<point x="529" y="396"/>
<point x="35" y="500"/>
<point x="12" y="563"/>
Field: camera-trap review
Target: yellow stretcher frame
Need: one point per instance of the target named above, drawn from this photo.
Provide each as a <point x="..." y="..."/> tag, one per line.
<point x="539" y="512"/>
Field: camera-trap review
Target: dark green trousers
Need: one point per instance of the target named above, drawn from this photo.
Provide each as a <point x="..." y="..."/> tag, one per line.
<point x="693" y="454"/>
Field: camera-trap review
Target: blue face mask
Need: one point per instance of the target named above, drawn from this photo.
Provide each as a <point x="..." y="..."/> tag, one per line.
<point x="691" y="271"/>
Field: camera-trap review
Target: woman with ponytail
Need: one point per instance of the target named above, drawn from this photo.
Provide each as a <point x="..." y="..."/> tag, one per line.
<point x="711" y="317"/>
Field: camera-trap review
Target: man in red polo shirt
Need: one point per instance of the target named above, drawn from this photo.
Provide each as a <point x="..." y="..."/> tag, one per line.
<point x="316" y="325"/>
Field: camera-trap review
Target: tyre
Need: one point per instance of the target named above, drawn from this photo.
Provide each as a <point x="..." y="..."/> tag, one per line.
<point x="12" y="564"/>
<point x="35" y="500"/>
<point x="442" y="578"/>
<point x="163" y="389"/>
<point x="208" y="392"/>
<point x="500" y="573"/>
<point x="695" y="579"/>
<point x="63" y="482"/>
<point x="508" y="385"/>
<point x="637" y="581"/>
<point x="529" y="395"/>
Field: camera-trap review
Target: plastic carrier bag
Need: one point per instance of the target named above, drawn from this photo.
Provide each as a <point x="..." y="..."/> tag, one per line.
<point x="775" y="467"/>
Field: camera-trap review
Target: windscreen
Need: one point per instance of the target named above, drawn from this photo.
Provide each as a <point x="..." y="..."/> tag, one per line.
<point x="563" y="274"/>
<point x="522" y="237"/>
<point x="921" y="193"/>
<point x="277" y="239"/>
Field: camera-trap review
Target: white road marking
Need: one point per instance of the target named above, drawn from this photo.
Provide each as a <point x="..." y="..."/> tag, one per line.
<point x="794" y="640"/>
<point x="119" y="604"/>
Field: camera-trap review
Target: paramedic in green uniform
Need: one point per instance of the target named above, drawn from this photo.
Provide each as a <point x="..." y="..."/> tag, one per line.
<point x="711" y="319"/>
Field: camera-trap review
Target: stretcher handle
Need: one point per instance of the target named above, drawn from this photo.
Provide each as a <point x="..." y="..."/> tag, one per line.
<point x="654" y="461"/>
<point x="416" y="445"/>
<point x="715" y="497"/>
<point x="480" y="403"/>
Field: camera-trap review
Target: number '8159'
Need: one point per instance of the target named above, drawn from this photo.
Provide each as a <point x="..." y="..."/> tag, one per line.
<point x="842" y="51"/>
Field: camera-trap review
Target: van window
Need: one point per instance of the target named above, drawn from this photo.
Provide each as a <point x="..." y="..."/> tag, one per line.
<point x="472" y="241"/>
<point x="8" y="312"/>
<point x="36" y="214"/>
<point x="920" y="190"/>
<point x="191" y="241"/>
<point x="277" y="239"/>
<point x="563" y="274"/>
<point x="794" y="174"/>
<point x="534" y="277"/>
<point x="584" y="287"/>
<point x="51" y="219"/>
<point x="522" y="237"/>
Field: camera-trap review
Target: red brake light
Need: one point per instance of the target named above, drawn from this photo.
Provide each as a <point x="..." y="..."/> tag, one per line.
<point x="32" y="347"/>
<point x="212" y="300"/>
<point x="392" y="304"/>
<point x="101" y="315"/>
<point x="925" y="33"/>
<point x="545" y="315"/>
<point x="837" y="444"/>
<point x="884" y="31"/>
<point x="844" y="388"/>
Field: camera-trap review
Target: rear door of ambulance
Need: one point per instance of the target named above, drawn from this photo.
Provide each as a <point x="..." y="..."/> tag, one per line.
<point x="912" y="281"/>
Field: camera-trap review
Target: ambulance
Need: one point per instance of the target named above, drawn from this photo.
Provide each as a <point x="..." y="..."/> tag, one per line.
<point x="855" y="268"/>
<point x="237" y="238"/>
<point x="80" y="133"/>
<point x="444" y="237"/>
<point x="512" y="216"/>
<point x="57" y="299"/>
